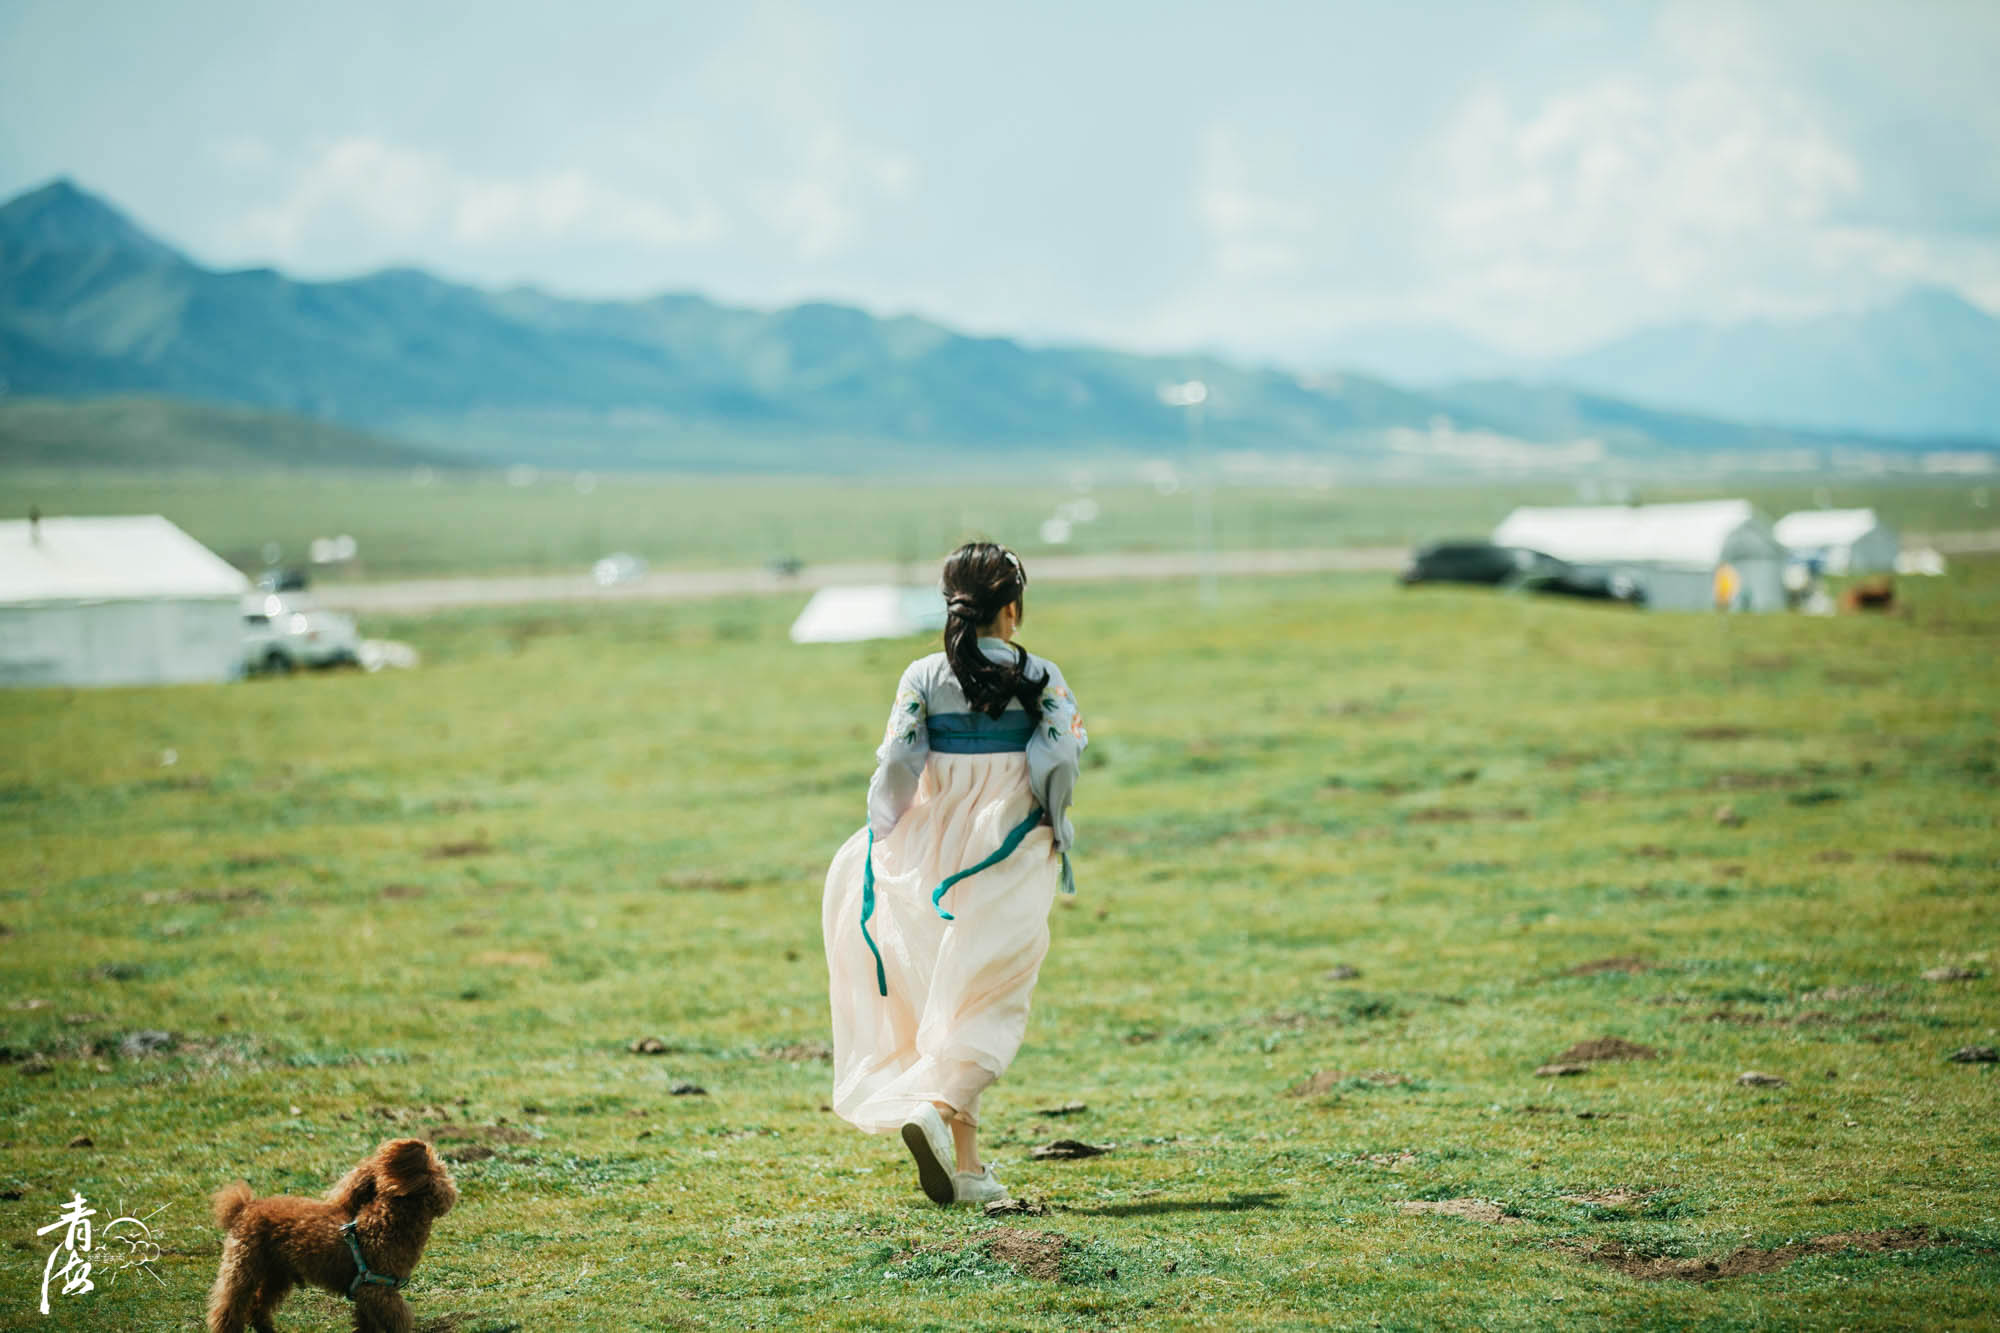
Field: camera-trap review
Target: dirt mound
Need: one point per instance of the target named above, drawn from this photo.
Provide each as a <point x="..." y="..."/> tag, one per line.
<point x="1069" y="1150"/>
<point x="1747" y="1262"/>
<point x="801" y="1052"/>
<point x="1606" y="1048"/>
<point x="1036" y="1254"/>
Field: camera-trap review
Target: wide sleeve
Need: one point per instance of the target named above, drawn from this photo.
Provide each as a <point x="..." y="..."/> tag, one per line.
<point x="899" y="760"/>
<point x="1054" y="754"/>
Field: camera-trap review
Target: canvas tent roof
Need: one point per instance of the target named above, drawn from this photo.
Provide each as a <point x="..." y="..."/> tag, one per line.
<point x="109" y="559"/>
<point x="1811" y="529"/>
<point x="850" y="614"/>
<point x="1702" y="534"/>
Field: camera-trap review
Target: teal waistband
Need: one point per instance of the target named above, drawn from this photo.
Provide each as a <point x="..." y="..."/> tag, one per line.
<point x="976" y="733"/>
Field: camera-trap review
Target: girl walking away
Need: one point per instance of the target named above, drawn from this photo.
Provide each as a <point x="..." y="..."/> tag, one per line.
<point x="936" y="913"/>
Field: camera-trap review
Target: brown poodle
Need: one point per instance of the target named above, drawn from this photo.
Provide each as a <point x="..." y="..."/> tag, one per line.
<point x="273" y="1245"/>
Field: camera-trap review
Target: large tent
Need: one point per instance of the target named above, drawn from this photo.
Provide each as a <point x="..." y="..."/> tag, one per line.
<point x="851" y="614"/>
<point x="115" y="601"/>
<point x="1686" y="557"/>
<point x="1843" y="541"/>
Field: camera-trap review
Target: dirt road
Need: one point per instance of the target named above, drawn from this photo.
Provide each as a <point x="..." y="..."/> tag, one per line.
<point x="417" y="596"/>
<point x="420" y="595"/>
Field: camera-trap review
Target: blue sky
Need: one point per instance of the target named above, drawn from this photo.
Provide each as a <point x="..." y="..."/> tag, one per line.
<point x="1254" y="177"/>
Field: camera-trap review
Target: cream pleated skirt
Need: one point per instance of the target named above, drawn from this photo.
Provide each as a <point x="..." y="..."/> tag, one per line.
<point x="958" y="997"/>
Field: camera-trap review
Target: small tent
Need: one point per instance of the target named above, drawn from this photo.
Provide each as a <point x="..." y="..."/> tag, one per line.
<point x="1842" y="541"/>
<point x="1686" y="557"/>
<point x="851" y="614"/>
<point x="115" y="601"/>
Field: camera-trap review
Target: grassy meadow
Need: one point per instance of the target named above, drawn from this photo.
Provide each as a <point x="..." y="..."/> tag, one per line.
<point x="436" y="522"/>
<point x="1396" y="849"/>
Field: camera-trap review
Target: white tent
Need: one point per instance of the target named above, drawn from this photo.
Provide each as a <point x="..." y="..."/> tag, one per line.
<point x="1844" y="541"/>
<point x="115" y="601"/>
<point x="1675" y="552"/>
<point x="848" y="615"/>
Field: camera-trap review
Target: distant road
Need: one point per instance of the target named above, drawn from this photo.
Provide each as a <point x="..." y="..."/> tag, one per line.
<point x="420" y="595"/>
<point x="416" y="596"/>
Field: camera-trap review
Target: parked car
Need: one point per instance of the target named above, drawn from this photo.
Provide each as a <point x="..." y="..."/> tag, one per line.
<point x="282" y="634"/>
<point x="282" y="580"/>
<point x="1479" y="562"/>
<point x="1593" y="585"/>
<point x="1488" y="565"/>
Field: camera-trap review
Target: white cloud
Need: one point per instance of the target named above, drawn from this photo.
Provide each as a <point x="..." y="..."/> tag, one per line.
<point x="1254" y="233"/>
<point x="1699" y="185"/>
<point x="834" y="185"/>
<point x="386" y="198"/>
<point x="1624" y="200"/>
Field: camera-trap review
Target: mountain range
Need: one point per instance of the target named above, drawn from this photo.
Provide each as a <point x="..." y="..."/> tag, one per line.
<point x="1925" y="365"/>
<point x="93" y="306"/>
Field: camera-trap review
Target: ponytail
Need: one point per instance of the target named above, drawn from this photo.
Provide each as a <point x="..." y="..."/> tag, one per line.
<point x="980" y="580"/>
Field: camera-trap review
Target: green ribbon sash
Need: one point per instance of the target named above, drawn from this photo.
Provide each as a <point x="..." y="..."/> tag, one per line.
<point x="1007" y="847"/>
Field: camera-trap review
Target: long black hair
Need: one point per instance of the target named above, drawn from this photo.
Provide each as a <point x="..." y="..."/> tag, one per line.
<point x="980" y="580"/>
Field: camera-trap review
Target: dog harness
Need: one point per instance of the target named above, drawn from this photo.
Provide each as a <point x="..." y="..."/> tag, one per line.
<point x="365" y="1276"/>
<point x="962" y="733"/>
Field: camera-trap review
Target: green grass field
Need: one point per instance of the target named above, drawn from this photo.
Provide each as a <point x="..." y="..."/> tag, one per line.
<point x="477" y="523"/>
<point x="446" y="901"/>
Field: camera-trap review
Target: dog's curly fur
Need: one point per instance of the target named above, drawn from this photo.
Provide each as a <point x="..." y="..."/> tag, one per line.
<point x="272" y="1245"/>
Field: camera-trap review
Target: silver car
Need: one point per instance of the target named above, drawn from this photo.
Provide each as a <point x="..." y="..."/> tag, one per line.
<point x="282" y="633"/>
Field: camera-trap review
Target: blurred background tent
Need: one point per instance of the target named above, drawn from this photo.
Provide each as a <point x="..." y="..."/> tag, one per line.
<point x="850" y="614"/>
<point x="1685" y="557"/>
<point x="1842" y="541"/>
<point x="115" y="601"/>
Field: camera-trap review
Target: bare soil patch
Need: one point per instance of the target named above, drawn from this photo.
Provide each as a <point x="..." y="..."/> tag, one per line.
<point x="449" y="1133"/>
<point x="1598" y="966"/>
<point x="1753" y="780"/>
<point x="241" y="894"/>
<point x="1618" y="1197"/>
<point x="1606" y="1048"/>
<point x="1717" y="733"/>
<point x="704" y="881"/>
<point x="1908" y="856"/>
<point x="802" y="1052"/>
<point x="1747" y="1261"/>
<point x="1454" y="814"/>
<point x="1067" y="1150"/>
<point x="1473" y="1210"/>
<point x="1326" y="1080"/>
<point x="1833" y="857"/>
<point x="446" y="851"/>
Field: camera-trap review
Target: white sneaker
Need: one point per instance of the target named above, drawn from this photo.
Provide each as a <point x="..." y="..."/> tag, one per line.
<point x="930" y="1143"/>
<point x="982" y="1188"/>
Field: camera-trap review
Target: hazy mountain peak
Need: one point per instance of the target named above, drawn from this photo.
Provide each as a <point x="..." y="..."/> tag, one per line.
<point x="63" y="216"/>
